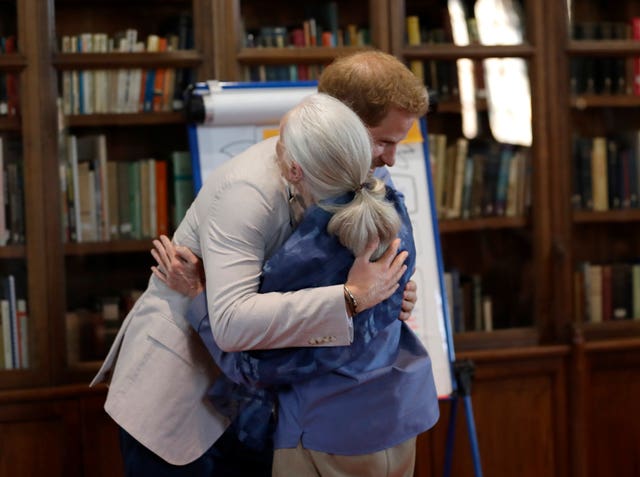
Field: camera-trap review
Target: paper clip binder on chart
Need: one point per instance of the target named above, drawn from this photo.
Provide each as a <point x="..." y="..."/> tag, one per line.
<point x="227" y="117"/>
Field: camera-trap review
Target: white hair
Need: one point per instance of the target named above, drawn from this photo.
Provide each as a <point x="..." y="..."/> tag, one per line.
<point x="333" y="148"/>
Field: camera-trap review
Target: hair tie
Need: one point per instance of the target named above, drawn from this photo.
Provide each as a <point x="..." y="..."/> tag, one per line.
<point x="360" y="187"/>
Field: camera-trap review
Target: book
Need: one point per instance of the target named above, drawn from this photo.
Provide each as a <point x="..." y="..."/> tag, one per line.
<point x="607" y="289"/>
<point x="9" y="290"/>
<point x="635" y="34"/>
<point x="23" y="325"/>
<point x="4" y="232"/>
<point x="162" y="198"/>
<point x="88" y="225"/>
<point x="635" y="290"/>
<point x="124" y="205"/>
<point x="145" y="195"/>
<point x="594" y="291"/>
<point x="462" y="147"/>
<point x="182" y="178"/>
<point x="113" y="199"/>
<point x="413" y="39"/>
<point x="599" y="174"/>
<point x="135" y="198"/>
<point x="6" y="359"/>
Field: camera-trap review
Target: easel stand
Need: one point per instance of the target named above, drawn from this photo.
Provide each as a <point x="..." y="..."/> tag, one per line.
<point x="463" y="371"/>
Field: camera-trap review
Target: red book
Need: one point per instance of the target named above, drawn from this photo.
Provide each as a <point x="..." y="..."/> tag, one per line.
<point x="635" y="34"/>
<point x="162" y="200"/>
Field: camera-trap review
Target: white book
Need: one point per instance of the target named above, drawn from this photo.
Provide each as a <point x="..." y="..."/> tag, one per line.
<point x="88" y="93"/>
<point x="6" y="361"/>
<point x="123" y="79"/>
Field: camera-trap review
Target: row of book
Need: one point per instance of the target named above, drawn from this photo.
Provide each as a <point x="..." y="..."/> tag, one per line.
<point x="476" y="178"/>
<point x="608" y="75"/>
<point x="12" y="213"/>
<point x="321" y="27"/>
<point x="606" y="292"/>
<point x="90" y="331"/>
<point x="105" y="200"/>
<point x="606" y="173"/>
<point x="9" y="92"/>
<point x="469" y="308"/>
<point x="281" y="37"/>
<point x="309" y="34"/>
<point x="14" y="331"/>
<point x="123" y="90"/>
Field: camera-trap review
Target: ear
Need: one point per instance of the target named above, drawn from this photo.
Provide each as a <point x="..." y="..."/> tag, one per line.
<point x="295" y="172"/>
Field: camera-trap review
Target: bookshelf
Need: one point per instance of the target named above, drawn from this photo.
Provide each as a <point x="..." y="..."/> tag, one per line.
<point x="601" y="111"/>
<point x="143" y="65"/>
<point x="591" y="75"/>
<point x="480" y="249"/>
<point x="250" y="52"/>
<point x="543" y="366"/>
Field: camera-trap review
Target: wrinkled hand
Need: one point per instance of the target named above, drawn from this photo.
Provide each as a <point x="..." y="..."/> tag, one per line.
<point x="374" y="282"/>
<point x="409" y="299"/>
<point x="178" y="267"/>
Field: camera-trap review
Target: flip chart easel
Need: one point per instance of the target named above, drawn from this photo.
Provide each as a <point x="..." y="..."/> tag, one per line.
<point x="226" y="118"/>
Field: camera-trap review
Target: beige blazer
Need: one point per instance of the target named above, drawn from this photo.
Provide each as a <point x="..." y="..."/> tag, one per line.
<point x="158" y="370"/>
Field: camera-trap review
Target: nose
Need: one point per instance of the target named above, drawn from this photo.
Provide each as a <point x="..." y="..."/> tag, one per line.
<point x="388" y="155"/>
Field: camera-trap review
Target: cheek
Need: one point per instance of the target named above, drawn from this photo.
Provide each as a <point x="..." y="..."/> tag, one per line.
<point x="377" y="151"/>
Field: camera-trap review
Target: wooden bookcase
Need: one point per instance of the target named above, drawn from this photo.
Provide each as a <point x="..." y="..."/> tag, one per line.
<point x="605" y="355"/>
<point x="505" y="256"/>
<point x="544" y="368"/>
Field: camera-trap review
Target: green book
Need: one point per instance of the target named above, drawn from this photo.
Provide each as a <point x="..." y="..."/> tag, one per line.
<point x="182" y="178"/>
<point x="135" y="200"/>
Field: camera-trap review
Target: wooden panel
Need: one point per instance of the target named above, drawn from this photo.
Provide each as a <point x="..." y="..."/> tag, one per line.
<point x="100" y="445"/>
<point x="613" y="426"/>
<point x="519" y="409"/>
<point x="39" y="439"/>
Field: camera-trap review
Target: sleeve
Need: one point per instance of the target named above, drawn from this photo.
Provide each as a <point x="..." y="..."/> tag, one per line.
<point x="234" y="232"/>
<point x="287" y="366"/>
<point x="284" y="366"/>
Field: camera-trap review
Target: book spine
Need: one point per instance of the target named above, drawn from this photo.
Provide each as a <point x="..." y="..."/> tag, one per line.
<point x="10" y="296"/>
<point x="635" y="33"/>
<point x="5" y="313"/>
<point x="23" y="324"/>
<point x="413" y="39"/>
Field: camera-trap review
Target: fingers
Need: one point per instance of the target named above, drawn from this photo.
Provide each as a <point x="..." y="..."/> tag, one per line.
<point x="412" y="287"/>
<point x="167" y="246"/>
<point x="369" y="250"/>
<point x="186" y="255"/>
<point x="404" y="315"/>
<point x="391" y="252"/>
<point x="159" y="274"/>
<point x="161" y="258"/>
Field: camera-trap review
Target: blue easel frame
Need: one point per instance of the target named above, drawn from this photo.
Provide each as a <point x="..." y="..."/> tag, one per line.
<point x="460" y="372"/>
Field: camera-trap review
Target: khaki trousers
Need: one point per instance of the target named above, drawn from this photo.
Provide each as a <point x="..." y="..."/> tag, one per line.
<point x="398" y="461"/>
